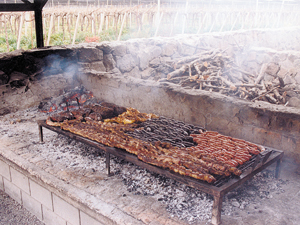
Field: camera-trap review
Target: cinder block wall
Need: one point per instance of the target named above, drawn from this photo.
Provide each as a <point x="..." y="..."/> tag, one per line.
<point x="38" y="198"/>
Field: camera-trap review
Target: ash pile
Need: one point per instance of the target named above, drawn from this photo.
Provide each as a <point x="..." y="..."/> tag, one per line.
<point x="181" y="201"/>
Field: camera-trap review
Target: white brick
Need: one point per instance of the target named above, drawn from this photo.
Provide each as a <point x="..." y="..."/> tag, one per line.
<point x="50" y="218"/>
<point x="65" y="210"/>
<point x="41" y="194"/>
<point x="32" y="205"/>
<point x="4" y="170"/>
<point x="1" y="184"/>
<point x="12" y="190"/>
<point x="20" y="180"/>
<point x="88" y="220"/>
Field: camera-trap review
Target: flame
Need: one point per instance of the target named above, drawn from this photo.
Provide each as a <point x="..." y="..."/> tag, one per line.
<point x="82" y="98"/>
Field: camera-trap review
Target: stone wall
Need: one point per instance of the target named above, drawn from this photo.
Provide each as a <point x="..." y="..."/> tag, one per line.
<point x="126" y="73"/>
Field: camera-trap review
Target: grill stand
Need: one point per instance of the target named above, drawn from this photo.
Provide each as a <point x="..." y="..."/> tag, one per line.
<point x="217" y="192"/>
<point x="108" y="164"/>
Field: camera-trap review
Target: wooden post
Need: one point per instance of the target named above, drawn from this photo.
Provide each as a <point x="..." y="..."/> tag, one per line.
<point x="101" y="23"/>
<point x="6" y="35"/>
<point x="20" y="31"/>
<point x="50" y="29"/>
<point x="157" y="28"/>
<point x="93" y="24"/>
<point x="39" y="27"/>
<point x="108" y="163"/>
<point x="41" y="133"/>
<point x="122" y="26"/>
<point x="185" y="16"/>
<point x="174" y="23"/>
<point x="236" y="19"/>
<point x="76" y="28"/>
<point x="216" y="211"/>
<point x="26" y="22"/>
<point x="58" y="24"/>
<point x="31" y="29"/>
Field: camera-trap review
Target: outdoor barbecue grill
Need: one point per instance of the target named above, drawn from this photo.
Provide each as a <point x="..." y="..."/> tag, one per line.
<point x="218" y="189"/>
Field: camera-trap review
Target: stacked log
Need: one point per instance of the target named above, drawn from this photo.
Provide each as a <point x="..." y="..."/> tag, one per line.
<point x="216" y="71"/>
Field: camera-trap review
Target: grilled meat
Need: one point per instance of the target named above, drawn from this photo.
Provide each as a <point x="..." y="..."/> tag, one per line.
<point x="117" y="109"/>
<point x="62" y="116"/>
<point x="131" y="116"/>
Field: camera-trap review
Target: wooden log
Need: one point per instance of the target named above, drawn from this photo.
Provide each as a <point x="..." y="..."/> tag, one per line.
<point x="172" y="79"/>
<point x="278" y="96"/>
<point x="200" y="57"/>
<point x="228" y="83"/>
<point x="261" y="73"/>
<point x="271" y="99"/>
<point x="178" y="72"/>
<point x="250" y="85"/>
<point x="264" y="93"/>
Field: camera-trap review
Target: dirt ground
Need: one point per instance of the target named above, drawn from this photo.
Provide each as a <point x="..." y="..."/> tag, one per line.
<point x="281" y="209"/>
<point x="12" y="212"/>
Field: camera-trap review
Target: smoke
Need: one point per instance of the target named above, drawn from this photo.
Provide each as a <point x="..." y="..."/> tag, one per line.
<point x="66" y="66"/>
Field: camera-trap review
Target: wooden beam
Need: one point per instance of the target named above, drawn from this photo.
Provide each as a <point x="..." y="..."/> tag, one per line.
<point x="39" y="4"/>
<point x="39" y="28"/>
<point x="37" y="7"/>
<point x="13" y="7"/>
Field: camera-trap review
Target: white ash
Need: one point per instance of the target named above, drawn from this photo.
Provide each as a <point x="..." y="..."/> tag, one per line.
<point x="180" y="200"/>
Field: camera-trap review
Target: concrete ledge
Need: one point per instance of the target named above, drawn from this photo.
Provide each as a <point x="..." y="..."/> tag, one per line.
<point x="52" y="200"/>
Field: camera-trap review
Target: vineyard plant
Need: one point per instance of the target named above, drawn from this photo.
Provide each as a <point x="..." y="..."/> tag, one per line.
<point x="63" y="25"/>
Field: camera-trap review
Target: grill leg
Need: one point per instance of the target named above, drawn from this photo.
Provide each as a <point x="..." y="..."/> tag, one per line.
<point x="41" y="133"/>
<point x="216" y="211"/>
<point x="108" y="163"/>
<point x="278" y="168"/>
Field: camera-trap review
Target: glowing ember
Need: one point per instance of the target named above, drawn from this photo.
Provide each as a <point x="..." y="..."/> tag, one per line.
<point x="72" y="99"/>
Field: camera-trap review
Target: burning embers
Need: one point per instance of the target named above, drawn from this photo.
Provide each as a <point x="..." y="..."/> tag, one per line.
<point x="185" y="149"/>
<point x="72" y="99"/>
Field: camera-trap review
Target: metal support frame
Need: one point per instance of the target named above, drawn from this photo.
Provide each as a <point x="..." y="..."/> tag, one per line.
<point x="108" y="163"/>
<point x="37" y="7"/>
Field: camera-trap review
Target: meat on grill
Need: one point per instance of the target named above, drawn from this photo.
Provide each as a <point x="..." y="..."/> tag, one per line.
<point x="161" y="154"/>
<point x="223" y="149"/>
<point x="81" y="113"/>
<point x="131" y="116"/>
<point x="117" y="109"/>
<point x="101" y="110"/>
<point x="214" y="154"/>
<point x="62" y="116"/>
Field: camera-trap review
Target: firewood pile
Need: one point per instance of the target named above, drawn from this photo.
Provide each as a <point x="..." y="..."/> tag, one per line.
<point x="216" y="71"/>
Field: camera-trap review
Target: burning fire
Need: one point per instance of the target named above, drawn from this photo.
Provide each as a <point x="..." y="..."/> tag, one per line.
<point x="71" y="100"/>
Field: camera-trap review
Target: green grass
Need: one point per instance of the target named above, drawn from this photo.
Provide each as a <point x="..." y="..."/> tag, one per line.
<point x="64" y="39"/>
